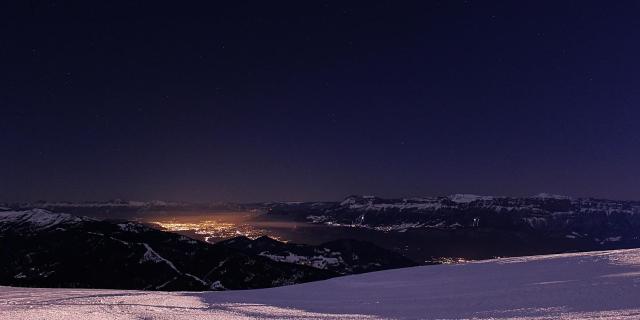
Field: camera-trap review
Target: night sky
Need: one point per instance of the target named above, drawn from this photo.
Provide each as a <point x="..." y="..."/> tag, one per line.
<point x="316" y="100"/>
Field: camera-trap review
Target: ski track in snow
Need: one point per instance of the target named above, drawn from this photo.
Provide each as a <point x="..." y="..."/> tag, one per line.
<point x="152" y="255"/>
<point x="596" y="285"/>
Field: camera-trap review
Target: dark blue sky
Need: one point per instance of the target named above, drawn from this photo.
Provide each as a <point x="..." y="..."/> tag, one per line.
<point x="249" y="101"/>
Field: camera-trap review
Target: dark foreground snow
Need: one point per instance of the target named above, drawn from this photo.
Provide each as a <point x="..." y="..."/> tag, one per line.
<point x="568" y="286"/>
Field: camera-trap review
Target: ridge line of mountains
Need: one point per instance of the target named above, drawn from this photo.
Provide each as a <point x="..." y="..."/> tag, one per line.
<point x="40" y="248"/>
<point x="479" y="227"/>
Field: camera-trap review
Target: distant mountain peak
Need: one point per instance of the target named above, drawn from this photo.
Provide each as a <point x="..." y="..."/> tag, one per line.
<point x="357" y="199"/>
<point x="545" y="195"/>
<point x="466" y="198"/>
<point x="39" y="218"/>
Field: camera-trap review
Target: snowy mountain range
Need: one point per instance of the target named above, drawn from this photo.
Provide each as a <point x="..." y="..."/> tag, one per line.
<point x="481" y="226"/>
<point x="46" y="249"/>
<point x="460" y="211"/>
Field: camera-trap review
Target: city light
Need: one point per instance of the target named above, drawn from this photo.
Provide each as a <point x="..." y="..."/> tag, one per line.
<point x="212" y="230"/>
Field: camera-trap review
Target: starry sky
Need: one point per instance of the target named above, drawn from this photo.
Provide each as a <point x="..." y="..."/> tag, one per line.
<point x="316" y="100"/>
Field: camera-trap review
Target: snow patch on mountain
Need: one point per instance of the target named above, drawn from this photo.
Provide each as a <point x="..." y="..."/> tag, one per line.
<point x="371" y="203"/>
<point x="545" y="195"/>
<point x="38" y="218"/>
<point x="132" y="227"/>
<point x="152" y="256"/>
<point x="467" y="198"/>
<point x="320" y="261"/>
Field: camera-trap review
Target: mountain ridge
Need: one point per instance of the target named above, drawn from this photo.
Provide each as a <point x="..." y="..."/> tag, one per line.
<point x="49" y="249"/>
<point x="46" y="249"/>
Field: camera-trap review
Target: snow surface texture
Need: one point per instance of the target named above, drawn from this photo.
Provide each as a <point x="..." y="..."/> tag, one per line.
<point x="595" y="285"/>
<point x="39" y="218"/>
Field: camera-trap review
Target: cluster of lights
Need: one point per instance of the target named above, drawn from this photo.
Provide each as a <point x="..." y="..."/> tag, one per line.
<point x="213" y="229"/>
<point x="448" y="260"/>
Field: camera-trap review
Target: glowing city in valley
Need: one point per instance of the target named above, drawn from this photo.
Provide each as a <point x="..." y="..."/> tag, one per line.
<point x="212" y="230"/>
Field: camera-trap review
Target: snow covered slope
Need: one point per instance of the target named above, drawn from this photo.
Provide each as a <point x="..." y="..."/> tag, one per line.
<point x="37" y="219"/>
<point x="591" y="285"/>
